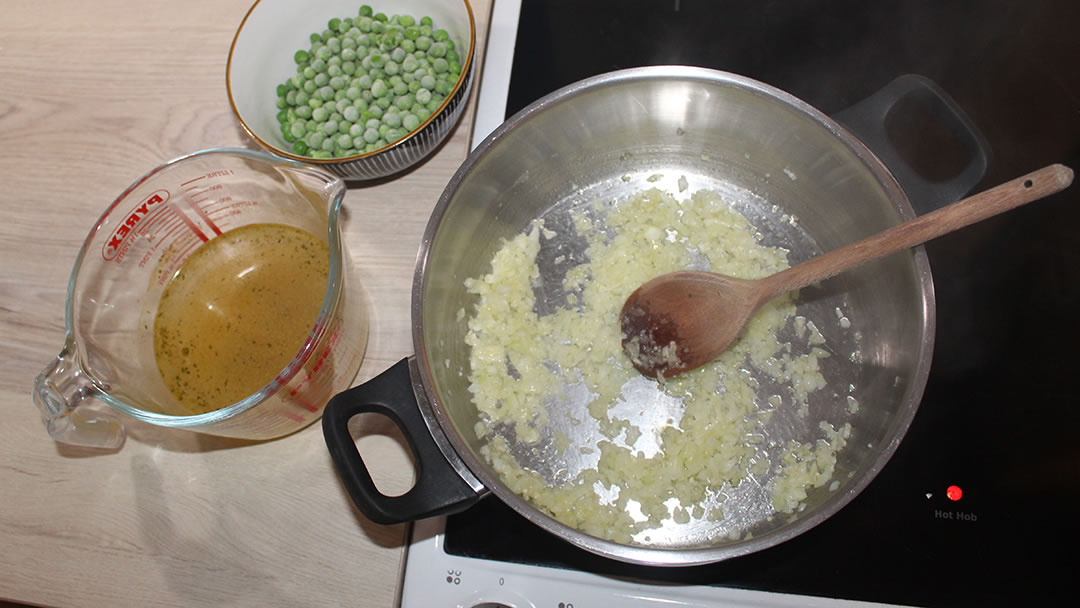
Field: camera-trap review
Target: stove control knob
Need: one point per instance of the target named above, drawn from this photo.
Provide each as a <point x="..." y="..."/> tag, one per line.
<point x="496" y="598"/>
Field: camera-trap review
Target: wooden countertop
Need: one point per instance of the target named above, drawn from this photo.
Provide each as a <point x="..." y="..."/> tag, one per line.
<point x="92" y="95"/>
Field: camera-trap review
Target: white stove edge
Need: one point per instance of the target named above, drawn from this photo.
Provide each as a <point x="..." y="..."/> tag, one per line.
<point x="494" y="80"/>
<point x="435" y="578"/>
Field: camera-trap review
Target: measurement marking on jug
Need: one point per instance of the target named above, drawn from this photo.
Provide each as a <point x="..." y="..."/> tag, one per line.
<point x="201" y="212"/>
<point x="292" y="416"/>
<point x="219" y="173"/>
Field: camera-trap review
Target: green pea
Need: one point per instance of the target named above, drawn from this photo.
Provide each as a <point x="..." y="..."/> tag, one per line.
<point x="365" y="81"/>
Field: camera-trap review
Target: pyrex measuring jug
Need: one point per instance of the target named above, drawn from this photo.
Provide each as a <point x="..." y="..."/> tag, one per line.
<point x="139" y="244"/>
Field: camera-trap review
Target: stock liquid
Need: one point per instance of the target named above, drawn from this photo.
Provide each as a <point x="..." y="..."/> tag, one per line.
<point x="237" y="312"/>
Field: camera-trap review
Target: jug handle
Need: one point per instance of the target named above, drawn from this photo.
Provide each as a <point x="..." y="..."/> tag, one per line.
<point x="63" y="392"/>
<point x="443" y="484"/>
<point x="867" y="119"/>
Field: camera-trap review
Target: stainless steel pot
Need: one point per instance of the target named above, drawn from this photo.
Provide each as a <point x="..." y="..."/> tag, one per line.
<point x="772" y="156"/>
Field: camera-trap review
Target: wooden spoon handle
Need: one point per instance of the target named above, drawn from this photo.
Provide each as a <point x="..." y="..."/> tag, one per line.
<point x="986" y="204"/>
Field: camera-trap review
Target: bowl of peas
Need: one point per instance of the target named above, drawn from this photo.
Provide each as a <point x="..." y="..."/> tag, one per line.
<point x="359" y="90"/>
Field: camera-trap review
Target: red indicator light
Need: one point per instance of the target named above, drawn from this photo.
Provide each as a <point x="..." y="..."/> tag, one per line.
<point x="954" y="493"/>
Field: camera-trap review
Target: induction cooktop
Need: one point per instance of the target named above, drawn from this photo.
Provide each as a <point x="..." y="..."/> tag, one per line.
<point x="977" y="505"/>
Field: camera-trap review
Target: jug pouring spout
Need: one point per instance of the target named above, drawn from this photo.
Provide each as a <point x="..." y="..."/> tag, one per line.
<point x="63" y="392"/>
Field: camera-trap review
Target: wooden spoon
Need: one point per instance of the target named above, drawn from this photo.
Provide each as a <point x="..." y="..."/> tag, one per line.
<point x="679" y="321"/>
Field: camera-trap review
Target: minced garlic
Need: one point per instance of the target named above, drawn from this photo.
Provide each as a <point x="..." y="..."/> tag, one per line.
<point x="523" y="367"/>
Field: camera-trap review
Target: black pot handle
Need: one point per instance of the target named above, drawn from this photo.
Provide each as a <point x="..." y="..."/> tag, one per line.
<point x="439" y="489"/>
<point x="867" y="119"/>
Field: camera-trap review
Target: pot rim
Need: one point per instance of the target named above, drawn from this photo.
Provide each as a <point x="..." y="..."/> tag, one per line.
<point x="661" y="556"/>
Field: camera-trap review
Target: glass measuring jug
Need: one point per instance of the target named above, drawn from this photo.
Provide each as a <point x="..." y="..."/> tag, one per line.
<point x="135" y="248"/>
